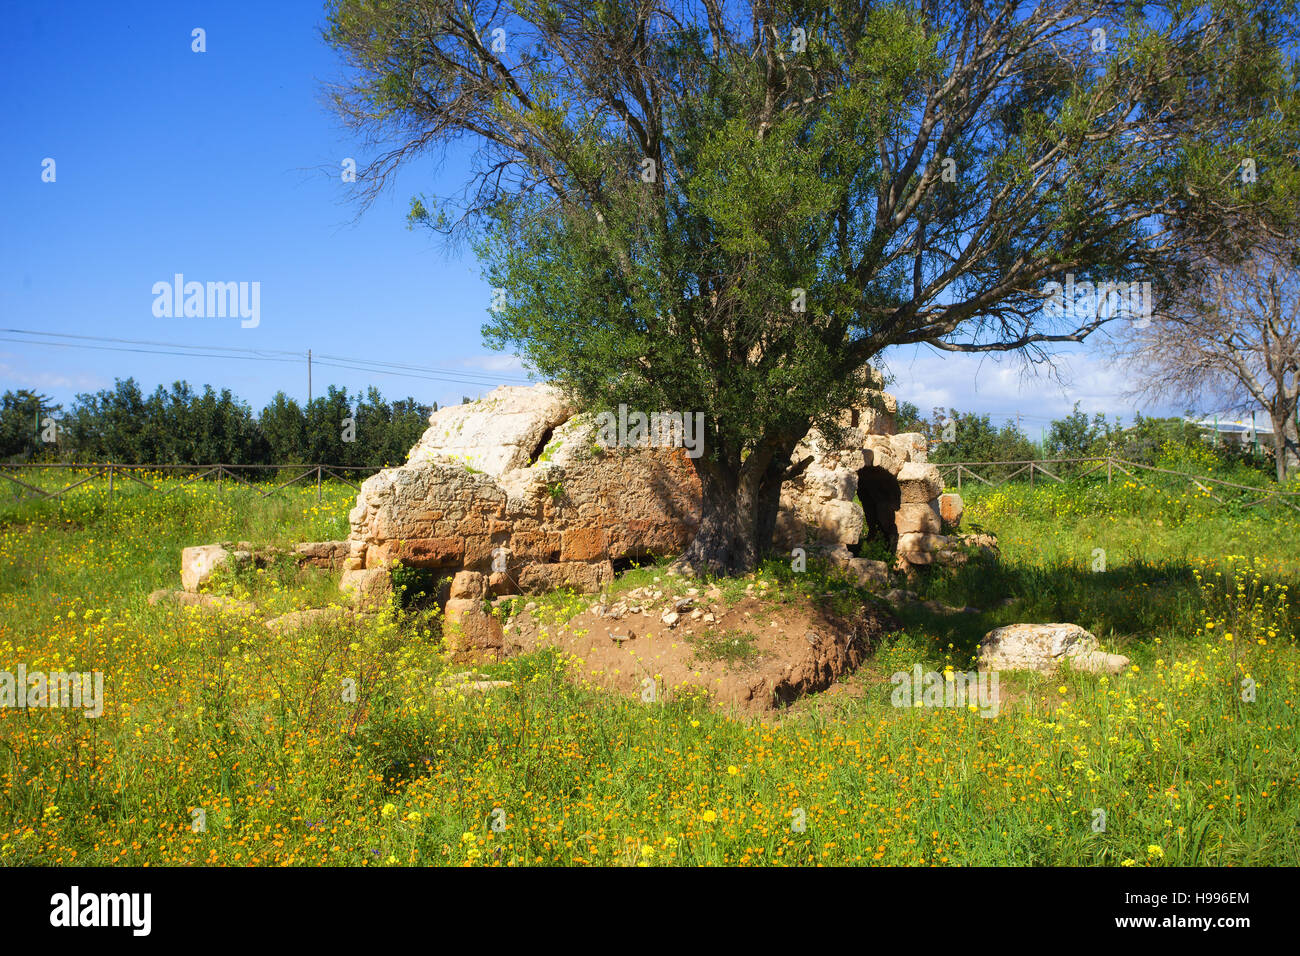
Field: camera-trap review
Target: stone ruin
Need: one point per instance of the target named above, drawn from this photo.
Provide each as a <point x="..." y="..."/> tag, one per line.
<point x="514" y="493"/>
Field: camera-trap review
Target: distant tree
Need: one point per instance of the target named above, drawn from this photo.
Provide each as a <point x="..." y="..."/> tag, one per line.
<point x="1232" y="339"/>
<point x="908" y="418"/>
<point x="20" y="430"/>
<point x="284" y="428"/>
<point x="113" y="425"/>
<point x="325" y="417"/>
<point x="975" y="438"/>
<point x="1077" y="436"/>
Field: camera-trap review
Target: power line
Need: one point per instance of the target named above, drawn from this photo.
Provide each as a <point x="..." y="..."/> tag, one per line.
<point x="373" y="366"/>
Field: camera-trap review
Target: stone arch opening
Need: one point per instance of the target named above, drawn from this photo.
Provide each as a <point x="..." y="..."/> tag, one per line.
<point x="881" y="497"/>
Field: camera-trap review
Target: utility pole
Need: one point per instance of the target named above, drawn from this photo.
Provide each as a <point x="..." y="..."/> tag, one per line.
<point x="309" y="376"/>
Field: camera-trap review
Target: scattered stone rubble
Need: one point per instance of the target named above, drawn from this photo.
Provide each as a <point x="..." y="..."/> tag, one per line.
<point x="200" y="563"/>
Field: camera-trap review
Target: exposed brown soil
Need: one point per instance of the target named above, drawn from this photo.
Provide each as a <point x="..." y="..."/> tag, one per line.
<point x="754" y="657"/>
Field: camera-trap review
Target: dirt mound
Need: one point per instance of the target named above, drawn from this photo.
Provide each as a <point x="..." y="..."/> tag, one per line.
<point x="755" y="655"/>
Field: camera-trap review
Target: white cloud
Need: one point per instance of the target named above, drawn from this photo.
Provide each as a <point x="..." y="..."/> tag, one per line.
<point x="1003" y="386"/>
<point x="13" y="377"/>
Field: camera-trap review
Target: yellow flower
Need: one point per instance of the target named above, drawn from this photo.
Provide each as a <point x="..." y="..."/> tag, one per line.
<point x="695" y="723"/>
<point x="647" y="851"/>
<point x="708" y="816"/>
<point x="1156" y="851"/>
<point x="412" y="817"/>
<point x="467" y="838"/>
<point x="733" y="770"/>
<point x="388" y="810"/>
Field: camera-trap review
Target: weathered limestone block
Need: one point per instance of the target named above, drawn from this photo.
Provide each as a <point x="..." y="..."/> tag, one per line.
<point x="951" y="508"/>
<point x="1042" y="647"/>
<point x="328" y="555"/>
<point x="919" y="483"/>
<point x="469" y="632"/>
<point x="581" y="576"/>
<point x="496" y="434"/>
<point x="199" y="563"/>
<point x="912" y="518"/>
<point x="370" y="587"/>
<point x="868" y="572"/>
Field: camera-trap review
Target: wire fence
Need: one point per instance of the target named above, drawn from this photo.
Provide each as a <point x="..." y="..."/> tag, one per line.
<point x="139" y="476"/>
<point x="1061" y="470"/>
<point x="954" y="473"/>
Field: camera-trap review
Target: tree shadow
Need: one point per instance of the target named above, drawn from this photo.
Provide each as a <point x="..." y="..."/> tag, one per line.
<point x="1131" y="604"/>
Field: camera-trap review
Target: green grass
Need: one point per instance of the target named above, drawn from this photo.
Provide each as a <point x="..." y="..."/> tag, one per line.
<point x="732" y="646"/>
<point x="211" y="712"/>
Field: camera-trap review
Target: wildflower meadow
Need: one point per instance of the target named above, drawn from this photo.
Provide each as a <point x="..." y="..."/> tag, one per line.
<point x="224" y="744"/>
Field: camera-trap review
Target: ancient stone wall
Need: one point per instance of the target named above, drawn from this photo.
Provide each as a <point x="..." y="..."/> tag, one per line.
<point x="517" y="487"/>
<point x="517" y="482"/>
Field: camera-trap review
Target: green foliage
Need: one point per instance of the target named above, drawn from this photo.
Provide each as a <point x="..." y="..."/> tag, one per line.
<point x="181" y="426"/>
<point x="415" y="588"/>
<point x="974" y="438"/>
<point x="20" y="431"/>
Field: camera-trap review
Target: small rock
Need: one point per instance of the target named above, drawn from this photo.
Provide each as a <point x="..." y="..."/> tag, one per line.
<point x="899" y="596"/>
<point x="671" y="618"/>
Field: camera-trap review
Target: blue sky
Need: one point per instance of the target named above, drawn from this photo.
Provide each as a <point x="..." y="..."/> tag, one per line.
<point x="225" y="166"/>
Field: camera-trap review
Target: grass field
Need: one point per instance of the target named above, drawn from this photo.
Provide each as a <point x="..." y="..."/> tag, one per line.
<point x="223" y="744"/>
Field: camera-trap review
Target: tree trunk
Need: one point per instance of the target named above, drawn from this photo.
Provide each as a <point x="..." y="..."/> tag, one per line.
<point x="1286" y="444"/>
<point x="738" y="510"/>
